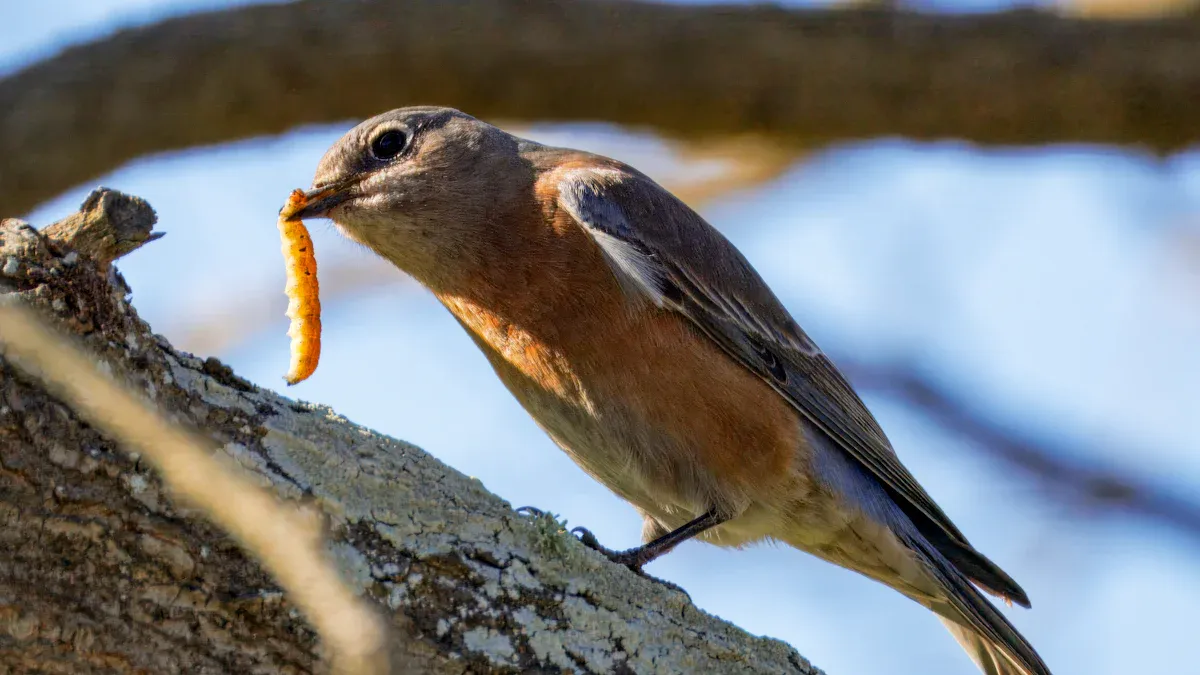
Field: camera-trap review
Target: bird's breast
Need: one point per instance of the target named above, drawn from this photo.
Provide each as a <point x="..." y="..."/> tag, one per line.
<point x="643" y="403"/>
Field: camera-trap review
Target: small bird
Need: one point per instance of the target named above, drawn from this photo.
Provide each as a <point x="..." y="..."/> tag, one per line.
<point x="646" y="346"/>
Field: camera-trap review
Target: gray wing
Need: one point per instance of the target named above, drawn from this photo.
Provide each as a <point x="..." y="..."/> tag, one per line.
<point x="651" y="241"/>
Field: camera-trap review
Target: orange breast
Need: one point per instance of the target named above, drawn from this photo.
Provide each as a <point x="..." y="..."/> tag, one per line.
<point x="736" y="425"/>
<point x="565" y="328"/>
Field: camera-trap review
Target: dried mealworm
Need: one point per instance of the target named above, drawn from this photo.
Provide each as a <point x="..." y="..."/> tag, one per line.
<point x="304" y="302"/>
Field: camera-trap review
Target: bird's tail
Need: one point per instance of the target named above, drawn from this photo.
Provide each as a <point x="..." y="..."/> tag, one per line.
<point x="987" y="636"/>
<point x="990" y="658"/>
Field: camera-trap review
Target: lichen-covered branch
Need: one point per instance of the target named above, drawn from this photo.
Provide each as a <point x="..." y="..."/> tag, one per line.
<point x="102" y="570"/>
<point x="803" y="77"/>
<point x="288" y="544"/>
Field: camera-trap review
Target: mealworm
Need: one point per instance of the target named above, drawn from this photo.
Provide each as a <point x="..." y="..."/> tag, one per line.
<point x="304" y="302"/>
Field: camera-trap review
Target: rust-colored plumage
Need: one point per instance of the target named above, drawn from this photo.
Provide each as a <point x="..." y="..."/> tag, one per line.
<point x="654" y="355"/>
<point x="304" y="300"/>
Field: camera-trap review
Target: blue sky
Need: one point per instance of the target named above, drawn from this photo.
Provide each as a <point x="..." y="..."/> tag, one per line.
<point x="1056" y="287"/>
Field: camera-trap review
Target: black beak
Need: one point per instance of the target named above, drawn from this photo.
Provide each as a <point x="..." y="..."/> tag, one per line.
<point x="320" y="200"/>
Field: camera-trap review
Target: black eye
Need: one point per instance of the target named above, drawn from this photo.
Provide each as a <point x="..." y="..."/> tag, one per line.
<point x="388" y="144"/>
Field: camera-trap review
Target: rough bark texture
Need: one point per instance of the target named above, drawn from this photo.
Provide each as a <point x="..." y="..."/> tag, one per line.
<point x="802" y="77"/>
<point x="101" y="572"/>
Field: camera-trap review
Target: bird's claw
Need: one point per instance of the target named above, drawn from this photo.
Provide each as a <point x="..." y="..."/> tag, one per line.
<point x="631" y="559"/>
<point x="531" y="511"/>
<point x="589" y="540"/>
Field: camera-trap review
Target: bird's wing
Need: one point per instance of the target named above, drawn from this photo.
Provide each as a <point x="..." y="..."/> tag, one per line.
<point x="655" y="245"/>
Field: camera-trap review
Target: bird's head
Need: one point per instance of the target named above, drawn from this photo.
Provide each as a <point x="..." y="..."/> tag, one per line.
<point x="418" y="185"/>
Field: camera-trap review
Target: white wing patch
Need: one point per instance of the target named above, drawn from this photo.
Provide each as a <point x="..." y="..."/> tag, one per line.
<point x="580" y="193"/>
<point x="583" y="193"/>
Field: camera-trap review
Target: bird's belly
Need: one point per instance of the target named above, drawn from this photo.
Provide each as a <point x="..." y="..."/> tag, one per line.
<point x="649" y="408"/>
<point x="633" y="461"/>
<point x="670" y="484"/>
<point x="672" y="446"/>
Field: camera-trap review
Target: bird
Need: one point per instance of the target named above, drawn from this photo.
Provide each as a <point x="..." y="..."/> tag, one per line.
<point x="647" y="347"/>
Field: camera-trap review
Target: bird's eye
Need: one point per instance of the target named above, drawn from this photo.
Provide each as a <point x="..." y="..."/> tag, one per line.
<point x="388" y="144"/>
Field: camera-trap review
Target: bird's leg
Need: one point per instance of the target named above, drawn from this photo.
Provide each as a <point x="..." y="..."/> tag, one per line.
<point x="636" y="558"/>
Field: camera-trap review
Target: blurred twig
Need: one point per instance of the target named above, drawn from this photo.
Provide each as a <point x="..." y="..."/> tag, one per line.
<point x="748" y="162"/>
<point x="1068" y="474"/>
<point x="801" y="77"/>
<point x="288" y="544"/>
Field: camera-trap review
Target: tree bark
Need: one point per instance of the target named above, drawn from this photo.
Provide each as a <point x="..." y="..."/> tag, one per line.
<point x="102" y="571"/>
<point x="803" y="77"/>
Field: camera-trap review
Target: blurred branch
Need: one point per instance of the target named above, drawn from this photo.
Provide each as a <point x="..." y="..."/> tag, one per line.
<point x="800" y="77"/>
<point x="1067" y="473"/>
<point x="1126" y="9"/>
<point x="748" y="162"/>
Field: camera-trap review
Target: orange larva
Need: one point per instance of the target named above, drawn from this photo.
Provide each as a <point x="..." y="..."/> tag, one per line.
<point x="304" y="302"/>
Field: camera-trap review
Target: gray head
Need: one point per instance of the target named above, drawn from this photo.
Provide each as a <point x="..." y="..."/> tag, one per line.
<point x="416" y="184"/>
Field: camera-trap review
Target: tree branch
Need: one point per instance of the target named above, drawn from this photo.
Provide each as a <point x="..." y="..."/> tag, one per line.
<point x="803" y="77"/>
<point x="102" y="570"/>
<point x="289" y="545"/>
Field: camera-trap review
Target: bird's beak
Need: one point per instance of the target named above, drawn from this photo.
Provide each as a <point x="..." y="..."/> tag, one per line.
<point x="320" y="200"/>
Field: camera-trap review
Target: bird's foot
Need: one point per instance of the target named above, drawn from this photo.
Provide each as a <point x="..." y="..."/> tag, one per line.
<point x="633" y="558"/>
<point x="628" y="558"/>
<point x="531" y="511"/>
